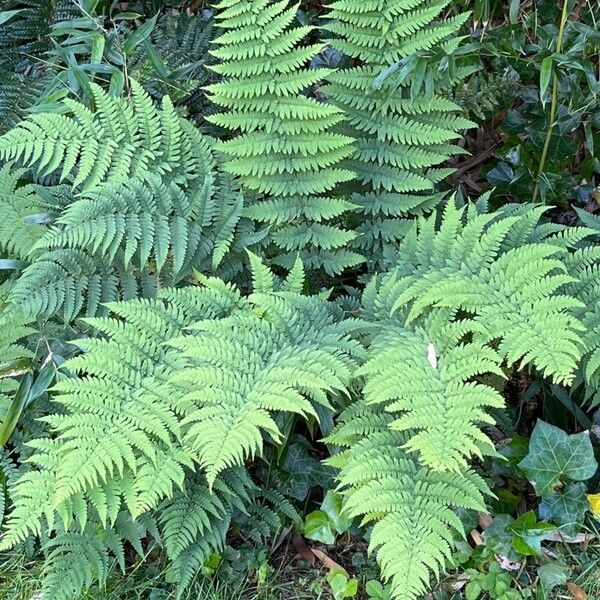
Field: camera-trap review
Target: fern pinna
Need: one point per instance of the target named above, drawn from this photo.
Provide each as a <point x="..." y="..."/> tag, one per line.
<point x="285" y="149"/>
<point x="399" y="138"/>
<point x="467" y="300"/>
<point x="176" y="396"/>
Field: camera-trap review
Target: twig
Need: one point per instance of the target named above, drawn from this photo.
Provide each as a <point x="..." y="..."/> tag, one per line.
<point x="553" y="106"/>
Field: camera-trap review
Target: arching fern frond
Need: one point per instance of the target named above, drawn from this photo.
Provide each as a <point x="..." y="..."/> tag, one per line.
<point x="77" y="559"/>
<point x="481" y="273"/>
<point x="194" y="523"/>
<point x="409" y="506"/>
<point x="471" y="295"/>
<point x="118" y="141"/>
<point x="190" y="381"/>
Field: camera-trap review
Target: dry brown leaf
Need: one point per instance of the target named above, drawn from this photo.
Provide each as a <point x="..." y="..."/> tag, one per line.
<point x="476" y="537"/>
<point x="460" y="582"/>
<point x="303" y="549"/>
<point x="507" y="564"/>
<point x="485" y="520"/>
<point x="557" y="536"/>
<point x="310" y="554"/>
<point x="327" y="561"/>
<point x="576" y="591"/>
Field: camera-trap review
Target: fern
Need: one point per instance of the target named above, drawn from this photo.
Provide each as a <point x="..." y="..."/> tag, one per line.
<point x="17" y="93"/>
<point x="285" y="148"/>
<point x="265" y="515"/>
<point x="16" y="355"/>
<point x="189" y="382"/>
<point x="76" y="559"/>
<point x="409" y="506"/>
<point x="470" y="297"/>
<point x="149" y="204"/>
<point x="399" y="138"/>
<point x="584" y="265"/>
<point x="121" y="140"/>
<point x="17" y="237"/>
<point x="120" y="240"/>
<point x="26" y="33"/>
<point x="194" y="523"/>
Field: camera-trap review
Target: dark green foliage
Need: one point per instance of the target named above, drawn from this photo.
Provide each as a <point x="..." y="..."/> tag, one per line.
<point x="174" y="60"/>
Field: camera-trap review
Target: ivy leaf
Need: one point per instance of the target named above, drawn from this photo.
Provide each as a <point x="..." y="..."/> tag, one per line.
<point x="332" y="507"/>
<point x="555" y="458"/>
<point x="301" y="471"/>
<point x="552" y="575"/>
<point x="318" y="527"/>
<point x="499" y="539"/>
<point x="341" y="586"/>
<point x="529" y="534"/>
<point x="566" y="508"/>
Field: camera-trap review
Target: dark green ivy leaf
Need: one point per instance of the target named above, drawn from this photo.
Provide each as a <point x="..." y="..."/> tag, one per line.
<point x="566" y="508"/>
<point x="555" y="458"/>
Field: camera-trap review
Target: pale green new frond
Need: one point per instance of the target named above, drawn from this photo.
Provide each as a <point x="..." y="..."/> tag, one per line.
<point x="513" y="295"/>
<point x="430" y="389"/>
<point x="410" y="506"/>
<point x="471" y="294"/>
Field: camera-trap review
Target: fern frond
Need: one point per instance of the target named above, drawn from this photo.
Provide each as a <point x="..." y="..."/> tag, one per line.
<point x="285" y="147"/>
<point x="116" y="142"/>
<point x="410" y="506"/>
<point x="192" y="380"/>
<point x="471" y="294"/>
<point x="399" y="136"/>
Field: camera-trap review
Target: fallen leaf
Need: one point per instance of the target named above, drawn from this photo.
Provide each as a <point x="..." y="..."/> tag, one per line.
<point x="310" y="554"/>
<point x="303" y="549"/>
<point x="328" y="562"/>
<point x="594" y="500"/>
<point x="576" y="591"/>
<point x="476" y="537"/>
<point x="460" y="582"/>
<point x="557" y="536"/>
<point x="485" y="520"/>
<point x="508" y="565"/>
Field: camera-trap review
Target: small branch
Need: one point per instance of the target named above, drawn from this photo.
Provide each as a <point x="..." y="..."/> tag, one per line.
<point x="554" y="103"/>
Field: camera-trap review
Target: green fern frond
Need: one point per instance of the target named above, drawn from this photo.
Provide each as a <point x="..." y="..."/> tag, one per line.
<point x="506" y="293"/>
<point x="472" y="293"/>
<point x="434" y="397"/>
<point x="123" y="236"/>
<point x="399" y="137"/>
<point x="118" y="141"/>
<point x="18" y="203"/>
<point x="410" y="506"/>
<point x="190" y="381"/>
<point x="285" y="147"/>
